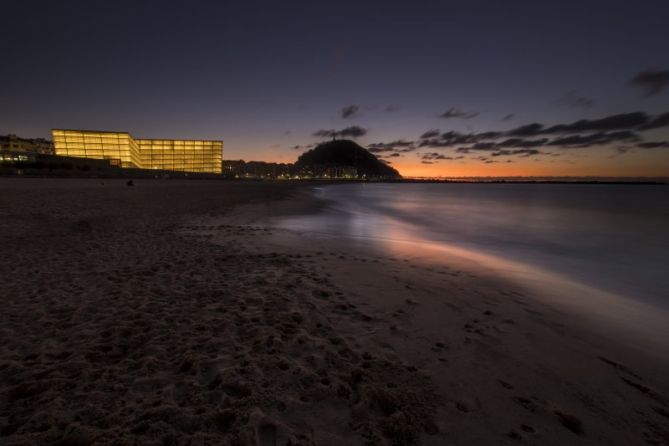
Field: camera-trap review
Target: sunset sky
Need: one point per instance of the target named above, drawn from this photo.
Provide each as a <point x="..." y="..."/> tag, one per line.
<point x="437" y="88"/>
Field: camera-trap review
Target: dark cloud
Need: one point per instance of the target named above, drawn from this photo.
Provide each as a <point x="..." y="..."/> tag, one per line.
<point x="352" y="111"/>
<point x="575" y="100"/>
<point x="435" y="156"/>
<point x="654" y="145"/>
<point x="427" y="162"/>
<point x="519" y="152"/>
<point x="528" y="140"/>
<point x="584" y="133"/>
<point x="353" y="131"/>
<point x="486" y="135"/>
<point x="653" y="81"/>
<point x="526" y="130"/>
<point x="624" y="121"/>
<point x="659" y="121"/>
<point x="391" y="108"/>
<point x="508" y="117"/>
<point x="594" y="139"/>
<point x="479" y="146"/>
<point x="430" y="134"/>
<point x="449" y="139"/>
<point x="396" y="143"/>
<point x="398" y="146"/>
<point x="305" y="146"/>
<point x="526" y="143"/>
<point x="457" y="113"/>
<point x="524" y="147"/>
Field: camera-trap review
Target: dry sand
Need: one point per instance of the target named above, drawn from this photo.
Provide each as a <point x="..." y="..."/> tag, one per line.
<point x="161" y="314"/>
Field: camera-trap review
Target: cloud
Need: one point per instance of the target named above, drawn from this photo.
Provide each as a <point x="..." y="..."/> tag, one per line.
<point x="300" y="147"/>
<point x="430" y="134"/>
<point x="525" y="146"/>
<point x="526" y="130"/>
<point x="350" y="112"/>
<point x="575" y="100"/>
<point x="653" y="81"/>
<point x="616" y="129"/>
<point x="620" y="130"/>
<point x="434" y="156"/>
<point x="595" y="139"/>
<point x="457" y="113"/>
<point x="654" y="145"/>
<point x="393" y="144"/>
<point x="659" y="121"/>
<point x="508" y="117"/>
<point x="449" y="139"/>
<point x="520" y="152"/>
<point x="623" y="121"/>
<point x="526" y="143"/>
<point x="353" y="131"/>
<point x="391" y="108"/>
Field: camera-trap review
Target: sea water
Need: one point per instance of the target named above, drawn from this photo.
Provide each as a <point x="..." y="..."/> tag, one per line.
<point x="614" y="238"/>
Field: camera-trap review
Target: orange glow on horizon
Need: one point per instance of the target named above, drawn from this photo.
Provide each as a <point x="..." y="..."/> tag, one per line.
<point x="529" y="169"/>
<point x="594" y="162"/>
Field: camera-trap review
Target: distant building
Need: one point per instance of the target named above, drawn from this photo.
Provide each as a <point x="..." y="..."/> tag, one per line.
<point x="16" y="145"/>
<point x="122" y="150"/>
<point x="233" y="168"/>
<point x="327" y="172"/>
<point x="257" y="169"/>
<point x="261" y="170"/>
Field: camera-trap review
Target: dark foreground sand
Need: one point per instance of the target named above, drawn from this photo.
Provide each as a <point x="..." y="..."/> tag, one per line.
<point x="154" y="315"/>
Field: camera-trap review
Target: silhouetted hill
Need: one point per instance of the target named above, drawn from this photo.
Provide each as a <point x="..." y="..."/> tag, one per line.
<point x="346" y="153"/>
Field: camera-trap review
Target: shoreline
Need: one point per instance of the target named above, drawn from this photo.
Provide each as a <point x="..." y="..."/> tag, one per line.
<point x="594" y="326"/>
<point x="167" y="312"/>
<point x="595" y="307"/>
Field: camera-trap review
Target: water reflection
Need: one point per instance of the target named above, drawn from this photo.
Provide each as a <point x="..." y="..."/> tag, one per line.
<point x="609" y="237"/>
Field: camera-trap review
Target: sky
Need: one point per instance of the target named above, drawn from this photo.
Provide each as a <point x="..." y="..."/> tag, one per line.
<point x="436" y="88"/>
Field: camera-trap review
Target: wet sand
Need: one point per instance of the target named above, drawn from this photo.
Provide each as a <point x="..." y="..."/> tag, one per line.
<point x="166" y="313"/>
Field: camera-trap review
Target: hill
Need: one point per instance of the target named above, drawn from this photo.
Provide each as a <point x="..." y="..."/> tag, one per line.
<point x="346" y="153"/>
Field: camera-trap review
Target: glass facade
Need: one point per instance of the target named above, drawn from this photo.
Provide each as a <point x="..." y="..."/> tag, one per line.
<point x="183" y="155"/>
<point x="123" y="150"/>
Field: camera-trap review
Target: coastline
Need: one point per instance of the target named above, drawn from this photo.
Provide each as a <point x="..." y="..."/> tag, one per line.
<point x="168" y="311"/>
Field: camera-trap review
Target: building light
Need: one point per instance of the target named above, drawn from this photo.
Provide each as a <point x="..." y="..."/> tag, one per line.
<point x="122" y="149"/>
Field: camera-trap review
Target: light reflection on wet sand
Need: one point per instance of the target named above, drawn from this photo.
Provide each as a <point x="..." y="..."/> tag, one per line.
<point x="357" y="228"/>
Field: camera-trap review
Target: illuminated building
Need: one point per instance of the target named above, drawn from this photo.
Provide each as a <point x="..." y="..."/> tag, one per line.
<point x="122" y="150"/>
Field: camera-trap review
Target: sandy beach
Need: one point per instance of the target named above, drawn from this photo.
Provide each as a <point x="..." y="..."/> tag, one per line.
<point x="169" y="313"/>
